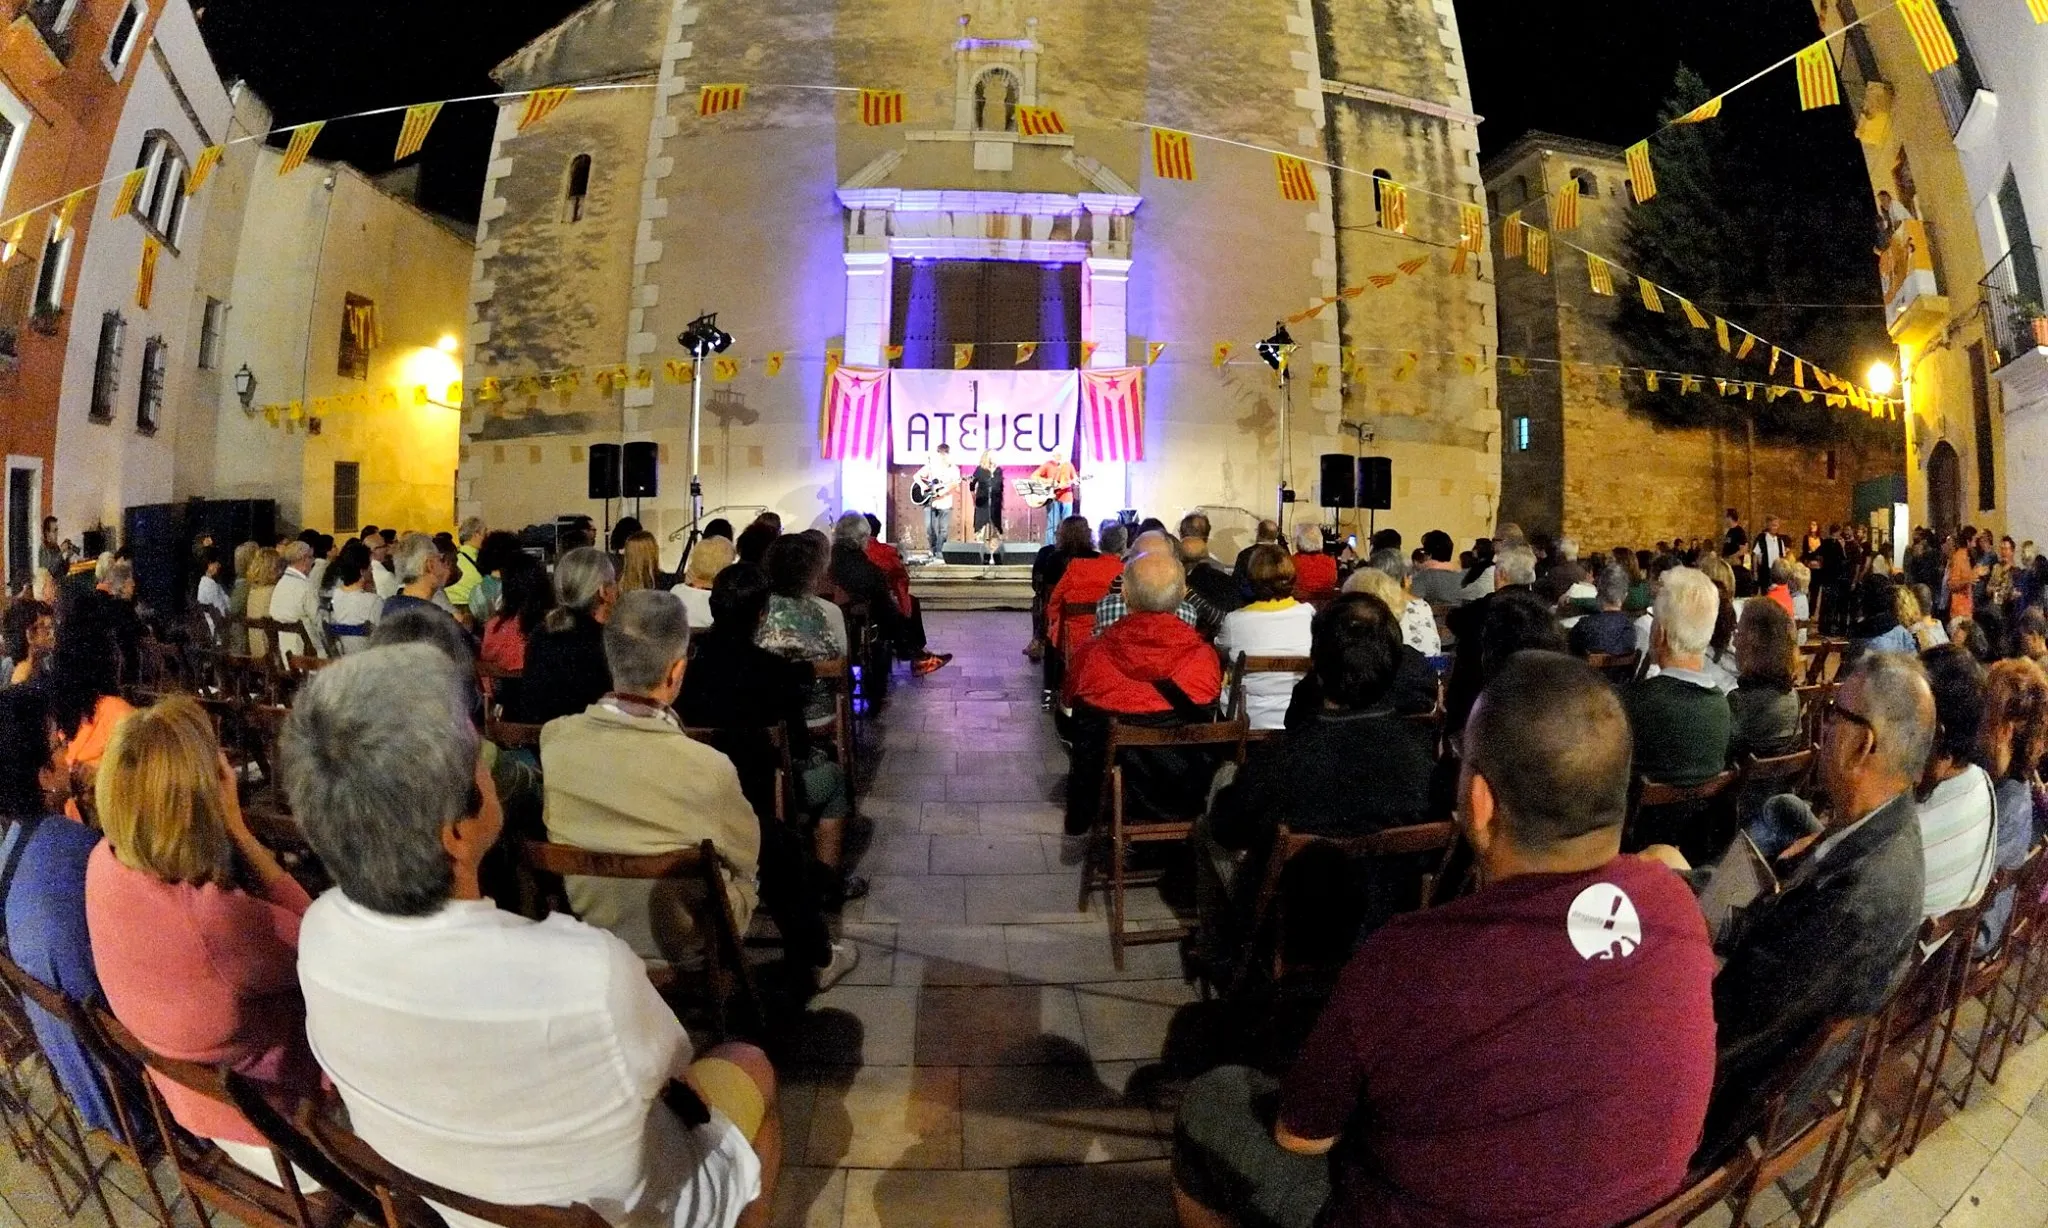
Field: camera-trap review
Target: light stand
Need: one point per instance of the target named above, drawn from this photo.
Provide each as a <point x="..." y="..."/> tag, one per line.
<point x="1277" y="350"/>
<point x="702" y="338"/>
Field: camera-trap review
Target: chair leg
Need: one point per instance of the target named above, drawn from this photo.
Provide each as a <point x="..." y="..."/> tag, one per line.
<point x="1116" y="891"/>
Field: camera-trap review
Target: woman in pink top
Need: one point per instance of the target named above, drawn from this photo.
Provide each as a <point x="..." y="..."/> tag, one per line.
<point x="195" y="927"/>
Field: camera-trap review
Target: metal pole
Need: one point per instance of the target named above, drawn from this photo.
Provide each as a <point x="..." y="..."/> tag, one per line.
<point x="696" y="452"/>
<point x="1286" y="439"/>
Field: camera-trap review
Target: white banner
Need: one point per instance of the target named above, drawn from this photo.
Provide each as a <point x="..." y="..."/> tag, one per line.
<point x="1018" y="415"/>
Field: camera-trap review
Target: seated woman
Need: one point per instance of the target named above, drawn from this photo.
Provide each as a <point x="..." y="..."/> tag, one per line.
<point x="1416" y="687"/>
<point x="1763" y="707"/>
<point x="1957" y="800"/>
<point x="1881" y="628"/>
<point x="2012" y="739"/>
<point x="641" y="566"/>
<point x="1084" y="577"/>
<point x="565" y="665"/>
<point x="526" y="594"/>
<point x="1926" y="628"/>
<point x="707" y="558"/>
<point x="195" y="926"/>
<point x="266" y="567"/>
<point x="355" y="605"/>
<point x="1273" y="625"/>
<point x="42" y="864"/>
<point x="794" y="627"/>
<point x="84" y="686"/>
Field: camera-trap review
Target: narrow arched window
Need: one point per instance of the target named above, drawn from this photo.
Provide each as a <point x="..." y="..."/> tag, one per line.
<point x="996" y="94"/>
<point x="1589" y="185"/>
<point x="1380" y="178"/>
<point x="578" y="188"/>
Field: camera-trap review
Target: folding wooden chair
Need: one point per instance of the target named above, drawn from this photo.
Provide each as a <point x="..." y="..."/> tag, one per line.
<point x="1911" y="1028"/>
<point x="1702" y="1193"/>
<point x="1813" y="706"/>
<point x="1818" y="654"/>
<point x="1795" y="1124"/>
<point x="726" y="974"/>
<point x="726" y="741"/>
<point x="512" y="735"/>
<point x="1244" y="667"/>
<point x="1109" y="845"/>
<point x="49" y="1138"/>
<point x="208" y="1176"/>
<point x="490" y="683"/>
<point x="1682" y="815"/>
<point x="1618" y="668"/>
<point x="837" y="675"/>
<point x="1986" y="975"/>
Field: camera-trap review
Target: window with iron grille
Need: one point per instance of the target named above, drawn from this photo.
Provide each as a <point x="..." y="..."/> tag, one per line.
<point x="106" y="369"/>
<point x="348" y="484"/>
<point x="149" y="406"/>
<point x="578" y="190"/>
<point x="213" y="329"/>
<point x="358" y="337"/>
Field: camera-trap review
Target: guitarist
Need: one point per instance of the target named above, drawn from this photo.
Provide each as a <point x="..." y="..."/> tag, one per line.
<point x="933" y="487"/>
<point x="1058" y="473"/>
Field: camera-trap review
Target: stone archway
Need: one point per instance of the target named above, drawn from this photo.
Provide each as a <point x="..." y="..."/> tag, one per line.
<point x="1944" y="488"/>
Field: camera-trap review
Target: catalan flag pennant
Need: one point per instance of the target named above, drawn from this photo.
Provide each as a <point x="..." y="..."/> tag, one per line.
<point x="420" y="395"/>
<point x="1153" y="350"/>
<point x="1598" y="276"/>
<point x="725" y="370"/>
<point x="771" y="366"/>
<point x="131" y="187"/>
<point x="1412" y="267"/>
<point x="1517" y="366"/>
<point x="1410" y="359"/>
<point x="1721" y="335"/>
<point x="1042" y="121"/>
<point x="454" y="397"/>
<point x="1799" y="372"/>
<point x="1511" y="234"/>
<point x="1459" y="258"/>
<point x="1818" y="85"/>
<point x="1612" y="375"/>
<point x="1721" y="386"/>
<point x="493" y="389"/>
<point x="1701" y="113"/>
<point x="202" y="169"/>
<point x="1469" y="363"/>
<point x="1748" y="344"/>
<point x="1930" y="34"/>
<point x="67" y="211"/>
<point x="300" y="145"/>
<point x="643" y="377"/>
<point x="1650" y="380"/>
<point x="892" y="353"/>
<point x="1026" y="350"/>
<point x="1220" y="354"/>
<point x="1393" y="206"/>
<point x="2039" y="8"/>
<point x="15" y="234"/>
<point x="677" y="371"/>
<point x="1652" y="301"/>
<point x="1295" y="181"/>
<point x="1564" y="215"/>
<point x="412" y="134"/>
<point x="1472" y="223"/>
<point x="1381" y="280"/>
<point x="1641" y="179"/>
<point x="1347" y="359"/>
<point x="881" y="107"/>
<point x="718" y="99"/>
<point x="1775" y="351"/>
<point x="1173" y="155"/>
<point x="1088" y="353"/>
<point x="835" y="358"/>
<point x="1692" y="313"/>
<point x="1539" y="250"/>
<point x="540" y="104"/>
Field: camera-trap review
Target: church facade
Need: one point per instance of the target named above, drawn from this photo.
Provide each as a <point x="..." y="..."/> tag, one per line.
<point x="968" y="247"/>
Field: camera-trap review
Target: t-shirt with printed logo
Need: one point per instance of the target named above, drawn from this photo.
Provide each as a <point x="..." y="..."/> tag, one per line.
<point x="1537" y="1055"/>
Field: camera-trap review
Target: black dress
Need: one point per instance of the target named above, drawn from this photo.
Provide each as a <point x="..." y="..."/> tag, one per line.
<point x="987" y="487"/>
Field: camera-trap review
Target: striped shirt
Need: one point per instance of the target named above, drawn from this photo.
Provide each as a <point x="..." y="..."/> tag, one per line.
<point x="1957" y="821"/>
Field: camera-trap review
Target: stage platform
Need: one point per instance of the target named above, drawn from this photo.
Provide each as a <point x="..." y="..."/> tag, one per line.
<point x="971" y="586"/>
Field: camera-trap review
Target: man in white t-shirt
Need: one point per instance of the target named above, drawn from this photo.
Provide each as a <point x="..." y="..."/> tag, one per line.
<point x="512" y="1061"/>
<point x="941" y="476"/>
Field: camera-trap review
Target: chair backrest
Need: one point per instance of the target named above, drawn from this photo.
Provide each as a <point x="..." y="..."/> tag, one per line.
<point x="1077" y="621"/>
<point x="1654" y="793"/>
<point x="1819" y="652"/>
<point x="1124" y="735"/>
<point x="1615" y="666"/>
<point x="1268" y="940"/>
<point x="1246" y="665"/>
<point x="1778" y="773"/>
<point x="280" y="1127"/>
<point x="1700" y="1195"/>
<point x="513" y="734"/>
<point x="702" y="861"/>
<point x="775" y="738"/>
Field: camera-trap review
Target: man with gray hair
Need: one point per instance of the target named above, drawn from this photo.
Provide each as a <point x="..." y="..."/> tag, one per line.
<point x="1832" y="941"/>
<point x="421" y="573"/>
<point x="1607" y="631"/>
<point x="858" y="576"/>
<point x="622" y="777"/>
<point x="1194" y="610"/>
<point x="469" y="537"/>
<point x="297" y="600"/>
<point x="1680" y="717"/>
<point x="505" y="1059"/>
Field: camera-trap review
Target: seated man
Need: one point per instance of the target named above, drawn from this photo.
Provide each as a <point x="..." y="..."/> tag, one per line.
<point x="860" y="579"/>
<point x="504" y="1059"/>
<point x="1153" y="667"/>
<point x="1539" y="1053"/>
<point x="622" y="777"/>
<point x="1607" y="631"/>
<point x="1207" y="577"/>
<point x="1349" y="769"/>
<point x="1679" y="715"/>
<point x="1831" y="942"/>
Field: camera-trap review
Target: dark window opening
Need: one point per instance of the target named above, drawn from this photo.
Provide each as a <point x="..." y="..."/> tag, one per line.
<point x="358" y="337"/>
<point x="106" y="369"/>
<point x="149" y="405"/>
<point x="1980" y="406"/>
<point x="348" y="476"/>
<point x="1589" y="184"/>
<point x="579" y="188"/>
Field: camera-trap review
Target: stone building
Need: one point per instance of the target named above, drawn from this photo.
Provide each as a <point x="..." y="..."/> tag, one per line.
<point x="1576" y="459"/>
<point x="612" y="223"/>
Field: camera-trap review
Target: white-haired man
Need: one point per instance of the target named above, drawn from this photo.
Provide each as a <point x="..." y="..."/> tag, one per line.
<point x="469" y="538"/>
<point x="297" y="600"/>
<point x="1679" y="715"/>
<point x="421" y="573"/>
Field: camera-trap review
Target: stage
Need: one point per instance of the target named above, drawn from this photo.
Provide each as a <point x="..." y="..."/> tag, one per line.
<point x="971" y="585"/>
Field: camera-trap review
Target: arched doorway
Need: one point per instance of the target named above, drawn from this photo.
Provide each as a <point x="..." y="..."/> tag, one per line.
<point x="1944" y="488"/>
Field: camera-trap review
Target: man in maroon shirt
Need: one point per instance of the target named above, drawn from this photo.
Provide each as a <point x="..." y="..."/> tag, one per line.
<point x="1536" y="1055"/>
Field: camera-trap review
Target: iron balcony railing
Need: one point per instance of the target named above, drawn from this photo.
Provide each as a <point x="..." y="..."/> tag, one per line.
<point x="2012" y="293"/>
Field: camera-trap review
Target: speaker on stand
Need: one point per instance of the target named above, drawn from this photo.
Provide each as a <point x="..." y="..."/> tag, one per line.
<point x="604" y="476"/>
<point x="1375" y="487"/>
<point x="641" y="478"/>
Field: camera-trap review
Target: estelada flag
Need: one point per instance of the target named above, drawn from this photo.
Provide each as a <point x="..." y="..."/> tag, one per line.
<point x="1472" y="224"/>
<point x="1042" y="121"/>
<point x="1113" y="413"/>
<point x="1818" y="86"/>
<point x="1393" y="205"/>
<point x="1295" y="181"/>
<point x="1539" y="250"/>
<point x="1641" y="179"/>
<point x="1511" y="234"/>
<point x="412" y="134"/>
<point x="880" y="107"/>
<point x="540" y="104"/>
<point x="131" y="185"/>
<point x="301" y="144"/>
<point x="1930" y="34"/>
<point x="202" y="169"/>
<point x="856" y="409"/>
<point x="717" y="99"/>
<point x="1701" y="113"/>
<point x="1566" y="214"/>
<point x="1173" y="155"/>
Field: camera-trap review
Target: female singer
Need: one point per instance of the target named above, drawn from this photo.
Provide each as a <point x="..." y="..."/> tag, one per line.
<point x="987" y="487"/>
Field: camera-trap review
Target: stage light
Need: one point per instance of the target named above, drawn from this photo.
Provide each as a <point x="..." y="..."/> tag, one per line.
<point x="447" y="344"/>
<point x="703" y="337"/>
<point x="1881" y="378"/>
<point x="1274" y="348"/>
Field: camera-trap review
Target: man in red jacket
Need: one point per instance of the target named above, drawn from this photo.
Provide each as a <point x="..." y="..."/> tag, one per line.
<point x="1149" y="667"/>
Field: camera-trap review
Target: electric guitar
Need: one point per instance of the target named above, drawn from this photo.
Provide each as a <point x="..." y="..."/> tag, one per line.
<point x="924" y="490"/>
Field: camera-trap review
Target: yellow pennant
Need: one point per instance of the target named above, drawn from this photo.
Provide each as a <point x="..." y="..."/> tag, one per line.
<point x="1612" y="375"/>
<point x="1652" y="301"/>
<point x="1818" y="86"/>
<point x="963" y="357"/>
<point x="131" y="186"/>
<point x="1692" y="313"/>
<point x="1565" y="214"/>
<point x="835" y="358"/>
<point x="145" y="281"/>
<point x="67" y="211"/>
<point x="540" y="104"/>
<point x="1472" y="224"/>
<point x="725" y="370"/>
<point x="892" y="353"/>
<point x="2039" y="8"/>
<point x="1173" y="155"/>
<point x="1026" y="350"/>
<point x="1748" y="344"/>
<point x="15" y="233"/>
<point x="1774" y="360"/>
<point x="1221" y="354"/>
<point x="718" y="99"/>
<point x="300" y="145"/>
<point x="1044" y="121"/>
<point x="1721" y="334"/>
<point x="1688" y="384"/>
<point x="1539" y="249"/>
<point x="604" y="382"/>
<point x="1469" y="363"/>
<point x="1296" y="183"/>
<point x="491" y="390"/>
<point x="1701" y="113"/>
<point x="1930" y="34"/>
<point x="1347" y="359"/>
<point x="529" y="386"/>
<point x="771" y="366"/>
<point x="881" y="107"/>
<point x="1650" y="380"/>
<point x="1405" y="368"/>
<point x="297" y="410"/>
<point x="1517" y="366"/>
<point x="1412" y="267"/>
<point x="270" y="414"/>
<point x="1511" y="234"/>
<point x="413" y="132"/>
<point x="1156" y="348"/>
<point x="202" y="168"/>
<point x="678" y="371"/>
<point x="1835" y="400"/>
<point x="1319" y="376"/>
<point x="1459" y="260"/>
<point x="1641" y="178"/>
<point x="1799" y="372"/>
<point x="1393" y="206"/>
<point x="1088" y="354"/>
<point x="420" y="395"/>
<point x="1598" y="276"/>
<point x="454" y="397"/>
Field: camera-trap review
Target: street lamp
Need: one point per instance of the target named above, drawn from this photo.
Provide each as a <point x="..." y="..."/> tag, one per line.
<point x="1881" y="378"/>
<point x="245" y="388"/>
<point x="701" y="338"/>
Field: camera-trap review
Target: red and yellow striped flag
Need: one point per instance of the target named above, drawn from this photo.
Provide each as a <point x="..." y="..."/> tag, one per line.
<point x="1393" y="206"/>
<point x="1652" y="301"/>
<point x="67" y="211"/>
<point x="540" y="104"/>
<point x="1042" y="121"/>
<point x="1295" y="182"/>
<point x="1026" y="350"/>
<point x="1219" y="354"/>
<point x="1701" y="113"/>
<point x="771" y="366"/>
<point x="1748" y="344"/>
<point x="1641" y="179"/>
<point x="1472" y="224"/>
<point x="145" y="282"/>
<point x="1511" y="234"/>
<point x="881" y="107"/>
<point x="1539" y="250"/>
<point x="1565" y="214"/>
<point x="1381" y="280"/>
<point x="2039" y="8"/>
<point x="963" y="357"/>
<point x="413" y="132"/>
<point x="1692" y="314"/>
<point x="301" y="144"/>
<point x="1818" y="86"/>
<point x="724" y="370"/>
<point x="1461" y="260"/>
<point x="718" y="99"/>
<point x="1598" y="276"/>
<point x="1930" y="34"/>
<point x="1721" y="334"/>
<point x="1412" y="267"/>
<point x="15" y="234"/>
<point x="131" y="186"/>
<point x="1173" y="154"/>
<point x="202" y="168"/>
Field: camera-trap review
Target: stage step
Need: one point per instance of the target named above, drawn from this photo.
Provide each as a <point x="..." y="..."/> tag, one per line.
<point x="955" y="586"/>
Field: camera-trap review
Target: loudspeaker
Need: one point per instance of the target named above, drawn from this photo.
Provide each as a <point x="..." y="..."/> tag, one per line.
<point x="643" y="475"/>
<point x="604" y="471"/>
<point x="1376" y="482"/>
<point x="1340" y="480"/>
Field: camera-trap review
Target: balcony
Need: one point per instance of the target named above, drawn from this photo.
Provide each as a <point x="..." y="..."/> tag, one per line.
<point x="1914" y="308"/>
<point x="2019" y="325"/>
